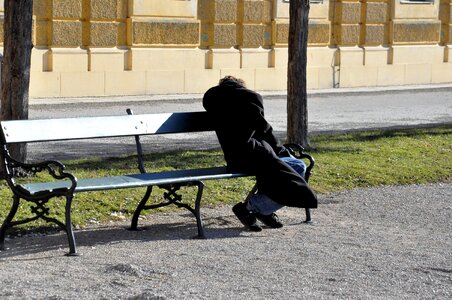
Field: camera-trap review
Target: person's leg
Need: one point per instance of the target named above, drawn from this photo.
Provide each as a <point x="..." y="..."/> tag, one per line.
<point x="264" y="207"/>
<point x="297" y="164"/>
<point x="263" y="204"/>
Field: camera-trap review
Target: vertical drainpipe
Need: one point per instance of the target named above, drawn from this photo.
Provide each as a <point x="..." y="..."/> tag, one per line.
<point x="335" y="64"/>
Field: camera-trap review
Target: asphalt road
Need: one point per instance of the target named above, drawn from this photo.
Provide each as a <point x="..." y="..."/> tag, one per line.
<point x="329" y="111"/>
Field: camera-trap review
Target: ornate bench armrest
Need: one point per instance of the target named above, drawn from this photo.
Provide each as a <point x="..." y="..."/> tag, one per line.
<point x="17" y="169"/>
<point x="298" y="151"/>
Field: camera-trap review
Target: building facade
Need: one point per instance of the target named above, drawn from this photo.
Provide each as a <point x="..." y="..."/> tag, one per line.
<point x="138" y="47"/>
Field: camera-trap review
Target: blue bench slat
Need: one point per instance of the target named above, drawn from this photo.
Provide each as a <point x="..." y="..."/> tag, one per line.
<point x="135" y="180"/>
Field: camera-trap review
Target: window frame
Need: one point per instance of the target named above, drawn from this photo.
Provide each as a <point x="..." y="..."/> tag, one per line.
<point x="417" y="1"/>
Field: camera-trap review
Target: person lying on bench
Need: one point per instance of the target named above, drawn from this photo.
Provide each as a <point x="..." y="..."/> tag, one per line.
<point x="249" y="145"/>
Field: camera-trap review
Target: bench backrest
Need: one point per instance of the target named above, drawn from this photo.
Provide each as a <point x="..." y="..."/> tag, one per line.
<point x="25" y="131"/>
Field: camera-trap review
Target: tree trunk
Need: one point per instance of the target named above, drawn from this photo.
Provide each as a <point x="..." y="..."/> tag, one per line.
<point x="15" y="73"/>
<point x="297" y="110"/>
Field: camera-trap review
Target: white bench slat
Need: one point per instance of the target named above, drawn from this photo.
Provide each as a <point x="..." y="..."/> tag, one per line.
<point x="26" y="131"/>
<point x="135" y="180"/>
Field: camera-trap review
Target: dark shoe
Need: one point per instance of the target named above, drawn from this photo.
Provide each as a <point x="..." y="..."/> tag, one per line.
<point x="248" y="218"/>
<point x="271" y="220"/>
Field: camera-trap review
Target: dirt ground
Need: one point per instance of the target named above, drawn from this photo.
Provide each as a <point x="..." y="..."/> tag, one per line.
<point x="379" y="243"/>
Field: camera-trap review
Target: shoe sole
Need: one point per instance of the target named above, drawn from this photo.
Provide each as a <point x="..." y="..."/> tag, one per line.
<point x="275" y="226"/>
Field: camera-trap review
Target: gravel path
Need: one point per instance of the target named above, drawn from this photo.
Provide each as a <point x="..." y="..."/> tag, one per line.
<point x="379" y="243"/>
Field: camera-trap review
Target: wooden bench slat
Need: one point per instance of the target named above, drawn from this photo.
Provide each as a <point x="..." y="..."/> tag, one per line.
<point x="135" y="180"/>
<point x="25" y="131"/>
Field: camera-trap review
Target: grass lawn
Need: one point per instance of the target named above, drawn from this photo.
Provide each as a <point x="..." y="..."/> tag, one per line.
<point x="343" y="161"/>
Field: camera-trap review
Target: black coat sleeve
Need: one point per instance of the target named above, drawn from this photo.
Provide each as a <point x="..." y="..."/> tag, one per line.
<point x="263" y="130"/>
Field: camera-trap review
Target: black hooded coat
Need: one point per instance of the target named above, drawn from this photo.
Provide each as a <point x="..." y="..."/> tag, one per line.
<point x="250" y="146"/>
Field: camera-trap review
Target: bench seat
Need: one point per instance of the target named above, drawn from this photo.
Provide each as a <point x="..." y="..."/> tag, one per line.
<point x="134" y="180"/>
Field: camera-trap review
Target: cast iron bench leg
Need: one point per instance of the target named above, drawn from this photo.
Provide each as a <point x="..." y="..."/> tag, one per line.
<point x="308" y="216"/>
<point x="140" y="207"/>
<point x="172" y="198"/>
<point x="7" y="223"/>
<point x="69" y="230"/>
<point x="201" y="234"/>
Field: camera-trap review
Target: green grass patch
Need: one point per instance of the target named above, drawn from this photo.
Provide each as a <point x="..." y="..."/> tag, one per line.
<point x="386" y="157"/>
<point x="343" y="161"/>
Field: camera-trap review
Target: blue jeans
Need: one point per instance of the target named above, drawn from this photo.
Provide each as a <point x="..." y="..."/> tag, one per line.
<point x="260" y="203"/>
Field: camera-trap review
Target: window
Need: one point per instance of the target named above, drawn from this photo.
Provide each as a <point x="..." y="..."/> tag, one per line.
<point x="311" y="1"/>
<point x="417" y="1"/>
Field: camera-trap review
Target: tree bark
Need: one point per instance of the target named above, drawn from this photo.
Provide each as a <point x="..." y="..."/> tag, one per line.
<point x="15" y="75"/>
<point x="297" y="108"/>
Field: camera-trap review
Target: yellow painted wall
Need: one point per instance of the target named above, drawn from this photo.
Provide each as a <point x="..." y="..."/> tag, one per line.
<point x="119" y="47"/>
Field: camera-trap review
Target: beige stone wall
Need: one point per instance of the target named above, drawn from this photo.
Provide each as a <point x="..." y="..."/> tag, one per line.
<point x="416" y="24"/>
<point x="319" y="24"/>
<point x="111" y="47"/>
<point x="446" y="22"/>
<point x="235" y="23"/>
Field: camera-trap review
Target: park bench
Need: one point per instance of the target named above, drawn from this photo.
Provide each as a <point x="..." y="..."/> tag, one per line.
<point x="66" y="184"/>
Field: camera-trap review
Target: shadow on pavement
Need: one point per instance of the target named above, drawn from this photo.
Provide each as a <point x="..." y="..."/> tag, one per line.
<point x="31" y="243"/>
